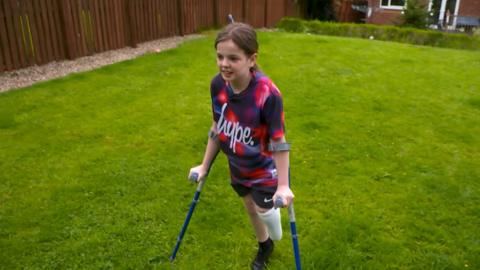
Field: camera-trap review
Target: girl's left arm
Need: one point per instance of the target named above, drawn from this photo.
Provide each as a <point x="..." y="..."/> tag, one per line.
<point x="281" y="159"/>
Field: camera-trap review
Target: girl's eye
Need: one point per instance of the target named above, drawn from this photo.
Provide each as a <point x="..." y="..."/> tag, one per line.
<point x="230" y="58"/>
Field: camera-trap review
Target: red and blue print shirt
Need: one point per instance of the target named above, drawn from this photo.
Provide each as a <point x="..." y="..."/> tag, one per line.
<point x="245" y="124"/>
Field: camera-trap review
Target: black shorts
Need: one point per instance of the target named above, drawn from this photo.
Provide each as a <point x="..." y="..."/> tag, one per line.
<point x="262" y="196"/>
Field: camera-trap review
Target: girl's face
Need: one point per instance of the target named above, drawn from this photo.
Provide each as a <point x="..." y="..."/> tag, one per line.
<point x="233" y="63"/>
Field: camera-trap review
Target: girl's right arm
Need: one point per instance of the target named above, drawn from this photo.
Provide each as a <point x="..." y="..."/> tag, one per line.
<point x="210" y="153"/>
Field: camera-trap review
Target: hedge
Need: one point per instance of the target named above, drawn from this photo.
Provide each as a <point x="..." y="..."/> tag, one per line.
<point x="382" y="32"/>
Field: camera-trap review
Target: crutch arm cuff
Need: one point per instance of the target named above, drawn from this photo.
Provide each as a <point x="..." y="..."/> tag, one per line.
<point x="278" y="147"/>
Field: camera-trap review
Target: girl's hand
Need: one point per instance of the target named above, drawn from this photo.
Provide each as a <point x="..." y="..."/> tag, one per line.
<point x="285" y="193"/>
<point x="200" y="170"/>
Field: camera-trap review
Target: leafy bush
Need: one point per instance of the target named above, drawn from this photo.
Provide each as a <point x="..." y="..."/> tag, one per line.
<point x="292" y="25"/>
<point x="476" y="32"/>
<point x="382" y="32"/>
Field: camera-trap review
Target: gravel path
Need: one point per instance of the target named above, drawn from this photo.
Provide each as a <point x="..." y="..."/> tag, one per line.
<point x="11" y="80"/>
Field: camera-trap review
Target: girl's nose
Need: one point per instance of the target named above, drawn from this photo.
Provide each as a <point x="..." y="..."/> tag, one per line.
<point x="223" y="62"/>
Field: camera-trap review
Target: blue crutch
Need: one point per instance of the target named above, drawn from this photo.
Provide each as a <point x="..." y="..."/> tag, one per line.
<point x="193" y="177"/>
<point x="196" y="197"/>
<point x="293" y="228"/>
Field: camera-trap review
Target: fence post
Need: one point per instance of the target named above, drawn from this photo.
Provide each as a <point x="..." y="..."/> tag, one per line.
<point x="12" y="28"/>
<point x="266" y="14"/>
<point x="127" y="18"/>
<point x="244" y="11"/>
<point x="215" y="13"/>
<point x="6" y="63"/>
<point x="180" y="17"/>
<point x="68" y="31"/>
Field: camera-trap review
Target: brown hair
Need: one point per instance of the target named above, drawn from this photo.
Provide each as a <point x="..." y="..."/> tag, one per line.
<point x="243" y="35"/>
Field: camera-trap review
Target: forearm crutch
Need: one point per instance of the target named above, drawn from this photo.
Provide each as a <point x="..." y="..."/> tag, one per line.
<point x="193" y="177"/>
<point x="196" y="197"/>
<point x="293" y="228"/>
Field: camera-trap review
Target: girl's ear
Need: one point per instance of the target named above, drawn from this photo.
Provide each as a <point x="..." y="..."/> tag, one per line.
<point x="253" y="59"/>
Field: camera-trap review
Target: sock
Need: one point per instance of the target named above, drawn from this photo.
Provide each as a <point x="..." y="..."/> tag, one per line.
<point x="265" y="245"/>
<point x="265" y="249"/>
<point x="272" y="220"/>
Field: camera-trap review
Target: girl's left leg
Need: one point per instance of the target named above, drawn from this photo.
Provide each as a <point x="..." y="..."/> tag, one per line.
<point x="265" y="244"/>
<point x="258" y="225"/>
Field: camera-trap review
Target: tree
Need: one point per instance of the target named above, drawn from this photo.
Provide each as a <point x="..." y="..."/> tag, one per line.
<point x="415" y="15"/>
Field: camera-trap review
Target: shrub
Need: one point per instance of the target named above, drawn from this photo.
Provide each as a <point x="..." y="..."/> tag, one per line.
<point x="382" y="32"/>
<point x="477" y="32"/>
<point x="292" y="25"/>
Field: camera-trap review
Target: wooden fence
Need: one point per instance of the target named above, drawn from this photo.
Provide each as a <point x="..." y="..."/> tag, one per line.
<point x="40" y="31"/>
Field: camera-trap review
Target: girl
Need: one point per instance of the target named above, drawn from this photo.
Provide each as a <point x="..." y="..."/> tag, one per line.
<point x="248" y="126"/>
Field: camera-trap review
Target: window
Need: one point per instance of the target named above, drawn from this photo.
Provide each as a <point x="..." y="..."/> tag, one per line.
<point x="394" y="4"/>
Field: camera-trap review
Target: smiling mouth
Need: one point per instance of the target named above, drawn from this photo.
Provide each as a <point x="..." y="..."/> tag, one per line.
<point x="227" y="73"/>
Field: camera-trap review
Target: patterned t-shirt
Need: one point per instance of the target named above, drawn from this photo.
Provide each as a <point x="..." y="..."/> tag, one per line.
<point x="245" y="124"/>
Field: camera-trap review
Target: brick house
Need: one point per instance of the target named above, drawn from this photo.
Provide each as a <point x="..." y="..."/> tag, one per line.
<point x="449" y="14"/>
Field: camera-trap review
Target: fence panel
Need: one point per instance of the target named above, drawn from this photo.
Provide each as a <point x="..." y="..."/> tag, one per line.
<point x="152" y="19"/>
<point x="40" y="31"/>
<point x="170" y="15"/>
<point x="114" y="32"/>
<point x="50" y="31"/>
<point x="78" y="14"/>
<point x="20" y="32"/>
<point x="275" y="10"/>
<point x="58" y="28"/>
<point x="196" y="14"/>
<point x="26" y="34"/>
<point x="46" y="33"/>
<point x="5" y="55"/>
<point x="140" y="25"/>
<point x="225" y="7"/>
<point x="68" y="29"/>
<point x="134" y="25"/>
<point x="12" y="33"/>
<point x="31" y="32"/>
<point x="103" y="25"/>
<point x="51" y="37"/>
<point x="120" y="23"/>
<point x="107" y="25"/>
<point x="255" y="12"/>
<point x="144" y="18"/>
<point x="291" y="8"/>
<point x="96" y="29"/>
<point x="127" y="22"/>
<point x="187" y="15"/>
<point x="35" y="20"/>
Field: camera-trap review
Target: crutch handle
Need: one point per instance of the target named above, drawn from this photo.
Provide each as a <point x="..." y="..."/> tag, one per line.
<point x="230" y="18"/>
<point x="193" y="177"/>
<point x="278" y="203"/>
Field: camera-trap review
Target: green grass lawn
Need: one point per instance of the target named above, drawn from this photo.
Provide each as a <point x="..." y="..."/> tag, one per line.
<point x="385" y="161"/>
